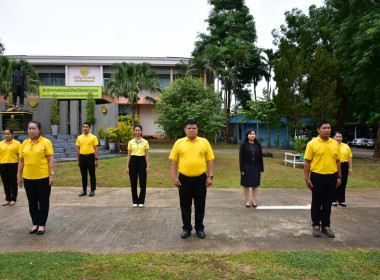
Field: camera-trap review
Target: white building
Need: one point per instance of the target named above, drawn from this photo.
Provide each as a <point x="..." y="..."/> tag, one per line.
<point x="79" y="74"/>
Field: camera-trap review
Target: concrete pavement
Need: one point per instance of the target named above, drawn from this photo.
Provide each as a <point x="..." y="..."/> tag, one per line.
<point x="107" y="223"/>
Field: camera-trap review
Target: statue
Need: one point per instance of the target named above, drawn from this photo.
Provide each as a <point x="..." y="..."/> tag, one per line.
<point x="18" y="88"/>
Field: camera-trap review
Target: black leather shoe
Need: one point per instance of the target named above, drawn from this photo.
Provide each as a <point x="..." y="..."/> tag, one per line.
<point x="83" y="193"/>
<point x="40" y="232"/>
<point x="185" y="234"/>
<point x="201" y="234"/>
<point x="33" y="230"/>
<point x="92" y="193"/>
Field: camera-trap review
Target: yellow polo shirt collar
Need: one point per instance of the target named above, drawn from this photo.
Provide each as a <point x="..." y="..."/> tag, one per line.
<point x="138" y="148"/>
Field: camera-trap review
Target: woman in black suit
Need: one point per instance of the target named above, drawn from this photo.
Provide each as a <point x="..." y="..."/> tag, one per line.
<point x="251" y="166"/>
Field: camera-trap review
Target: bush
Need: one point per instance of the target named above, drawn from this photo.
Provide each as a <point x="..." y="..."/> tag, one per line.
<point x="300" y="144"/>
<point x="125" y="132"/>
<point x="54" y="110"/>
<point x="128" y="119"/>
<point x="267" y="154"/>
<point x="113" y="134"/>
<point x="102" y="134"/>
<point x="90" y="108"/>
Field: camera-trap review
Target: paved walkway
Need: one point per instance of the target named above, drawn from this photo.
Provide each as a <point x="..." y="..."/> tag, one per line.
<point x="107" y="223"/>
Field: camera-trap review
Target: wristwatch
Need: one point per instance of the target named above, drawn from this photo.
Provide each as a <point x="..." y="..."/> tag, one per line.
<point x="51" y="173"/>
<point x="212" y="177"/>
<point x="96" y="158"/>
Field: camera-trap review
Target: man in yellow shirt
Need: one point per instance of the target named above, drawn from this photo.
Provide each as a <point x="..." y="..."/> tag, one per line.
<point x="322" y="158"/>
<point x="192" y="155"/>
<point x="87" y="157"/>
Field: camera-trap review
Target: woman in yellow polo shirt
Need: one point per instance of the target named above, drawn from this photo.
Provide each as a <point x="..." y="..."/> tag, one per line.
<point x="9" y="152"/>
<point x="36" y="164"/>
<point x="346" y="166"/>
<point x="138" y="165"/>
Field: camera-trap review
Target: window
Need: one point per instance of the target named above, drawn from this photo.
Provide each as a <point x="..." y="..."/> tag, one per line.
<point x="164" y="80"/>
<point x="52" y="79"/>
<point x="125" y="110"/>
<point x="106" y="78"/>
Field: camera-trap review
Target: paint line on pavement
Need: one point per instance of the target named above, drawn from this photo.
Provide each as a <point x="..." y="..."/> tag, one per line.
<point x="284" y="207"/>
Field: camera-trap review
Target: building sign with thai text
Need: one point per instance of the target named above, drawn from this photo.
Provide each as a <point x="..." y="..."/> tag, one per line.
<point x="70" y="92"/>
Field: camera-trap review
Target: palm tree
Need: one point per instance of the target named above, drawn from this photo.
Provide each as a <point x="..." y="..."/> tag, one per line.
<point x="129" y="79"/>
<point x="269" y="64"/>
<point x="6" y="68"/>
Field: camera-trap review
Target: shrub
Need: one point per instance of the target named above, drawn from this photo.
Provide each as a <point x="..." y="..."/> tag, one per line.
<point x="102" y="134"/>
<point x="54" y="110"/>
<point x="90" y="108"/>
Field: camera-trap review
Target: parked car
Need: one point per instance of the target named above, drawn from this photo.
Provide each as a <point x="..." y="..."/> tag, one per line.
<point x="358" y="142"/>
<point x="369" y="143"/>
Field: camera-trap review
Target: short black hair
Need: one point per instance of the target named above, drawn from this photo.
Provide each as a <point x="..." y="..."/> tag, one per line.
<point x="89" y="125"/>
<point x="137" y="125"/>
<point x="338" y="132"/>
<point x="190" y="121"/>
<point x="10" y="130"/>
<point x="322" y="122"/>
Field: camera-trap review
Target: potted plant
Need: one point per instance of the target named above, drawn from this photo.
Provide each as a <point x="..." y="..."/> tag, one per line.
<point x="113" y="134"/>
<point x="54" y="115"/>
<point x="125" y="134"/>
<point x="90" y="111"/>
<point x="102" y="134"/>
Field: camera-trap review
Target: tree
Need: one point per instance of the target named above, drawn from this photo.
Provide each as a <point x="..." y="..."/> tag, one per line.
<point x="129" y="79"/>
<point x="269" y="64"/>
<point x="90" y="109"/>
<point x="188" y="99"/>
<point x="231" y="33"/>
<point x="323" y="83"/>
<point x="289" y="72"/>
<point x="263" y="110"/>
<point x="2" y="48"/>
<point x="54" y="111"/>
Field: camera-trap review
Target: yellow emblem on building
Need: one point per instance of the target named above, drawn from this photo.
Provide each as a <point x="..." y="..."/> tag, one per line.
<point x="33" y="104"/>
<point x="104" y="109"/>
<point x="84" y="71"/>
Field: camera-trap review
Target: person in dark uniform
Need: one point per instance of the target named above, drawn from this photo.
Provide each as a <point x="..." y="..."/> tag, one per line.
<point x="322" y="158"/>
<point x="251" y="166"/>
<point x="192" y="155"/>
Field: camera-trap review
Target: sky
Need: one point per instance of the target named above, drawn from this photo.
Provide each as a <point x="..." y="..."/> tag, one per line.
<point x="145" y="28"/>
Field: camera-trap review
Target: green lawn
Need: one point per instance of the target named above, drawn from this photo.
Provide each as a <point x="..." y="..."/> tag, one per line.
<point x="111" y="173"/>
<point x="334" y="264"/>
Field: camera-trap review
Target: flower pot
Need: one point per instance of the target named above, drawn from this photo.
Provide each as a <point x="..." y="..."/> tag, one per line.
<point x="54" y="129"/>
<point x="102" y="142"/>
<point x="112" y="146"/>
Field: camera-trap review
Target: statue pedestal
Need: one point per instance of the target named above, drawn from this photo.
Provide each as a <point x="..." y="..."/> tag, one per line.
<point x="17" y="121"/>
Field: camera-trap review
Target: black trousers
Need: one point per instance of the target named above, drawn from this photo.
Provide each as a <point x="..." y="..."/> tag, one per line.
<point x="8" y="172"/>
<point x="38" y="193"/>
<point x="137" y="169"/>
<point x="340" y="194"/>
<point x="87" y="164"/>
<point x="192" y="187"/>
<point x="324" y="187"/>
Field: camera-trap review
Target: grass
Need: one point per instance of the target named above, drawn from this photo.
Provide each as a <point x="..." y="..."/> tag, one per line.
<point x="333" y="264"/>
<point x="111" y="173"/>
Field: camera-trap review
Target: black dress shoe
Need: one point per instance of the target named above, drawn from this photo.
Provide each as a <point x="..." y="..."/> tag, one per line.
<point x="254" y="205"/>
<point x="83" y="193"/>
<point x="92" y="193"/>
<point x="33" y="230"/>
<point x="40" y="232"/>
<point x="185" y="234"/>
<point x="201" y="234"/>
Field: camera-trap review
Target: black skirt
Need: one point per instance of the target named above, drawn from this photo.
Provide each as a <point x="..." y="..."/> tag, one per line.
<point x="251" y="177"/>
